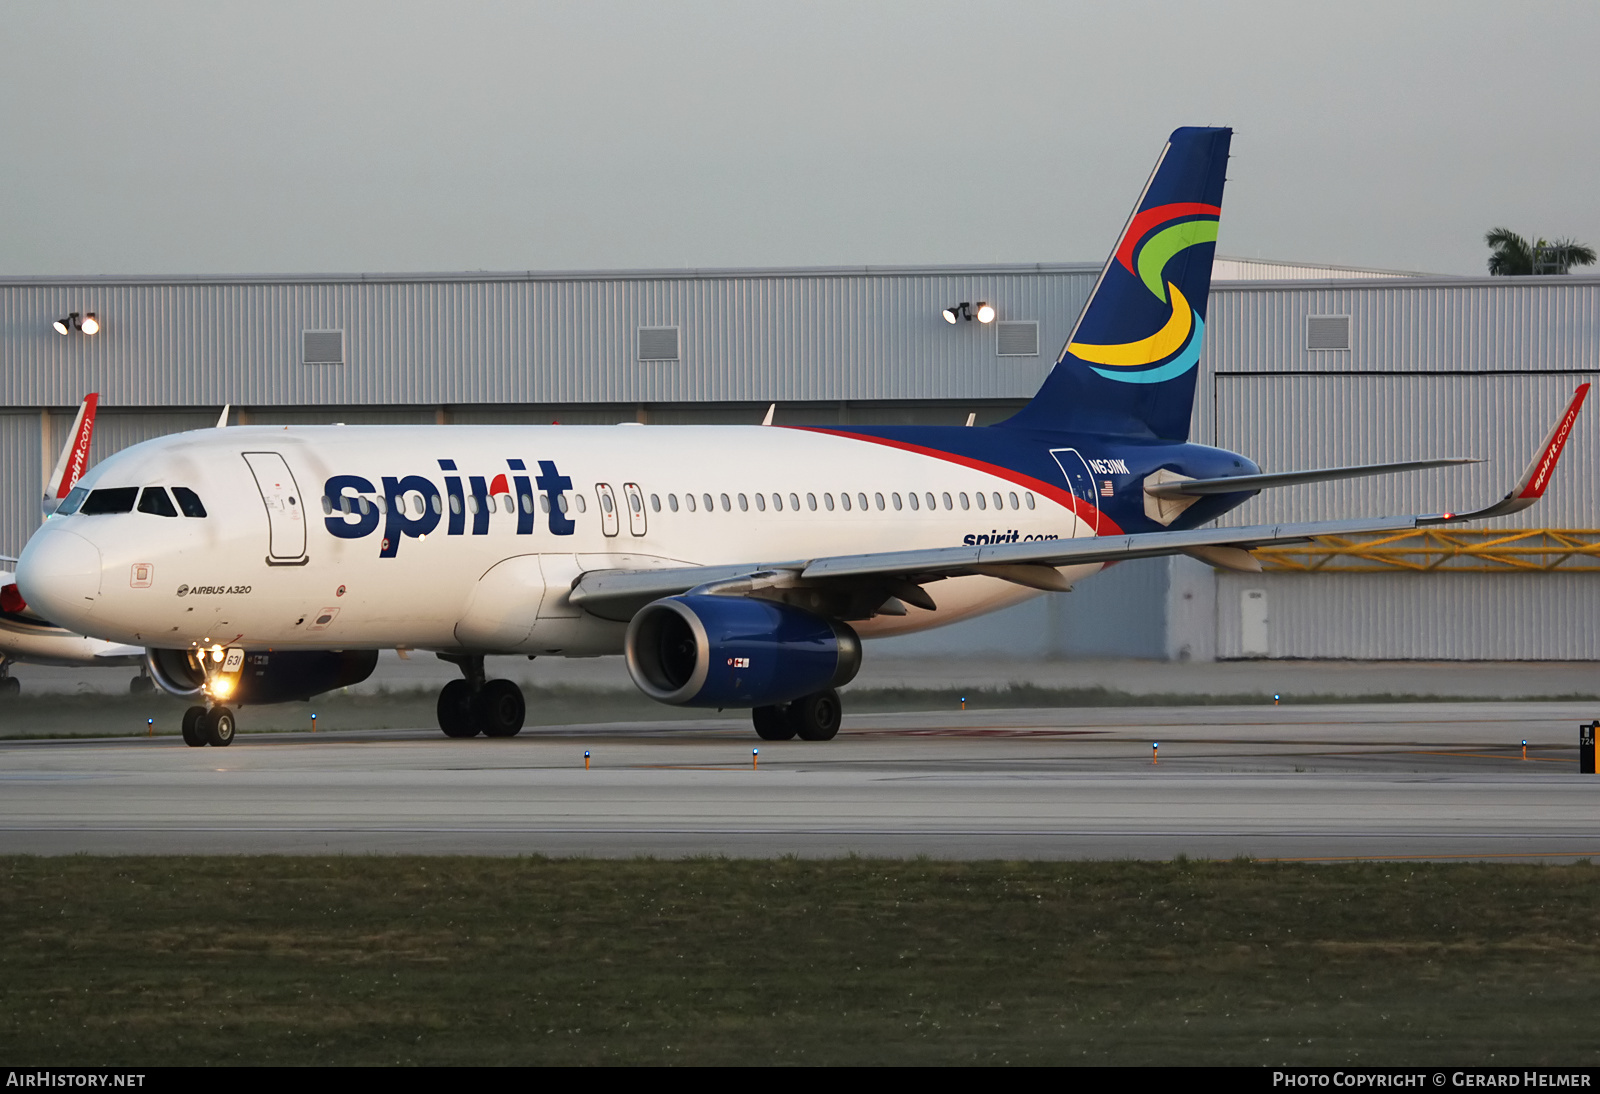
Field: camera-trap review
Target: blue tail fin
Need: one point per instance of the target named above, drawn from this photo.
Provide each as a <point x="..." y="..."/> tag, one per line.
<point x="1129" y="366"/>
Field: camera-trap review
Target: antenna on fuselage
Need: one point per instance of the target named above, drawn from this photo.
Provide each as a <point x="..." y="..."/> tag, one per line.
<point x="771" y="410"/>
<point x="972" y="419"/>
<point x="222" y="422"/>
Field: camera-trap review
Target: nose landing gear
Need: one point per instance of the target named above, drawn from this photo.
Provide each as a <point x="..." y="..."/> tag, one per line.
<point x="473" y="705"/>
<point x="203" y="727"/>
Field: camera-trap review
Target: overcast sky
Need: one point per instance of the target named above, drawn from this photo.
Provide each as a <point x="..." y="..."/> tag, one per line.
<point x="340" y="137"/>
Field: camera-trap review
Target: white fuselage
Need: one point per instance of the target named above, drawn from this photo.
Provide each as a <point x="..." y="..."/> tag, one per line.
<point x="265" y="568"/>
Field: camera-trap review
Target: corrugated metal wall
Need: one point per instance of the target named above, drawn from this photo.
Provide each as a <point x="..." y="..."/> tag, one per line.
<point x="1432" y="617"/>
<point x="1288" y="422"/>
<point x="1410" y="325"/>
<point x="1468" y="367"/>
<point x="789" y="336"/>
<point x="1262" y="269"/>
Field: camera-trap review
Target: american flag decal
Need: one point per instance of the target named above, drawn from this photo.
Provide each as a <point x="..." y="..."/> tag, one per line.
<point x="1105" y="488"/>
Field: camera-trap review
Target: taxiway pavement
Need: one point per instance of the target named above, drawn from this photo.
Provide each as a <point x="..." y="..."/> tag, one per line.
<point x="1303" y="782"/>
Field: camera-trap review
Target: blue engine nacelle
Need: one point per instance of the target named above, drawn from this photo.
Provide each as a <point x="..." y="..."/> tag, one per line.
<point x="732" y="651"/>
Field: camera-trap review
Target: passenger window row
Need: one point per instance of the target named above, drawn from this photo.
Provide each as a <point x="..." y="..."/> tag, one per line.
<point x="121" y="499"/>
<point x="848" y="501"/>
<point x="779" y="502"/>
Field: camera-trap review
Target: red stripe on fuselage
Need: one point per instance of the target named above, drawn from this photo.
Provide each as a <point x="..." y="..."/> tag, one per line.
<point x="1085" y="511"/>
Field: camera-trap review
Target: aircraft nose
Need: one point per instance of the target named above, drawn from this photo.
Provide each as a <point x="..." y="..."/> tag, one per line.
<point x="59" y="575"/>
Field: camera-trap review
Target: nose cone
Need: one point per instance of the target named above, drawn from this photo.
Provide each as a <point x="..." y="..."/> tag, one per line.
<point x="59" y="576"/>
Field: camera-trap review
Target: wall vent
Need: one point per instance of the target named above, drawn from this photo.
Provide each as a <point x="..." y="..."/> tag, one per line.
<point x="322" y="347"/>
<point x="1018" y="338"/>
<point x="1327" y="332"/>
<point x="658" y="343"/>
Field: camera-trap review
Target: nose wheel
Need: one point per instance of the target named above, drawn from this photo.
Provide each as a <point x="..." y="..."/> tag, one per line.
<point x="473" y="705"/>
<point x="203" y="727"/>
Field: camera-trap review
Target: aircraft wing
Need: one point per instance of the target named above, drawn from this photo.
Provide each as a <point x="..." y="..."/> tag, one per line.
<point x="617" y="594"/>
<point x="861" y="585"/>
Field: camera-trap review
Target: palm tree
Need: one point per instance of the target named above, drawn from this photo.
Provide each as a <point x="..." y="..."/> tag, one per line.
<point x="1514" y="256"/>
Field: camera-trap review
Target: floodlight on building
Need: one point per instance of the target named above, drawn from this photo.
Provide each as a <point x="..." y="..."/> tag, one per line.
<point x="88" y="324"/>
<point x="963" y="310"/>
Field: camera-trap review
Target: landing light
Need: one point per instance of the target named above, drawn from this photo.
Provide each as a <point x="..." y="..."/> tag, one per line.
<point x="216" y="653"/>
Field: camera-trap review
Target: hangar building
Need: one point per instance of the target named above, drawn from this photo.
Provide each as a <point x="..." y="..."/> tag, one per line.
<point x="1304" y="367"/>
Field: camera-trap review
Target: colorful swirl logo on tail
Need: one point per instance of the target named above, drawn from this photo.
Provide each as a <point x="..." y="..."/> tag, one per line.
<point x="1153" y="239"/>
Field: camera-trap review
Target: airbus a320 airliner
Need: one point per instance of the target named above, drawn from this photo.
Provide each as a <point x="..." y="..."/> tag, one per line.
<point x="734" y="566"/>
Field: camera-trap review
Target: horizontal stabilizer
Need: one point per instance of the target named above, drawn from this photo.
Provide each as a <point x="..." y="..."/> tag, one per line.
<point x="1191" y="488"/>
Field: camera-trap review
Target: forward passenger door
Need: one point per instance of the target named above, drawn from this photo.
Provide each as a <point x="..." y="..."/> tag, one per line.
<point x="286" y="525"/>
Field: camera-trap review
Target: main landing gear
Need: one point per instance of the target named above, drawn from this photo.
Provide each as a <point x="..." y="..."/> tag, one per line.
<point x="203" y="727"/>
<point x="473" y="705"/>
<point x="811" y="718"/>
<point x="9" y="685"/>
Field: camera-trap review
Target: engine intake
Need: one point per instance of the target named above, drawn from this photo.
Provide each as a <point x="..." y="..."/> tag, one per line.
<point x="730" y="651"/>
<point x="267" y="676"/>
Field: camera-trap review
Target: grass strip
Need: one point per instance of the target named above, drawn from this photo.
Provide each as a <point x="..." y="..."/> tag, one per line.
<point x="385" y="960"/>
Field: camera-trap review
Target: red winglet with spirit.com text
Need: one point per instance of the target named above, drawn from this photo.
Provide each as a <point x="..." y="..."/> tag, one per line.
<point x="1538" y="476"/>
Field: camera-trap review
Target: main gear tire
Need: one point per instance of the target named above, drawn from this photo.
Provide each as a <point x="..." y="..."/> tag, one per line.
<point x="219" y="727"/>
<point x="772" y="723"/>
<point x="499" y="709"/>
<point x="193" y="735"/>
<point x="455" y="710"/>
<point x="816" y="717"/>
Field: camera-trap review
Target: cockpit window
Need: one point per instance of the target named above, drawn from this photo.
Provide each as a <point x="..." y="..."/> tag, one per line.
<point x="188" y="501"/>
<point x="115" y="499"/>
<point x="154" y="500"/>
<point x="70" y="503"/>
